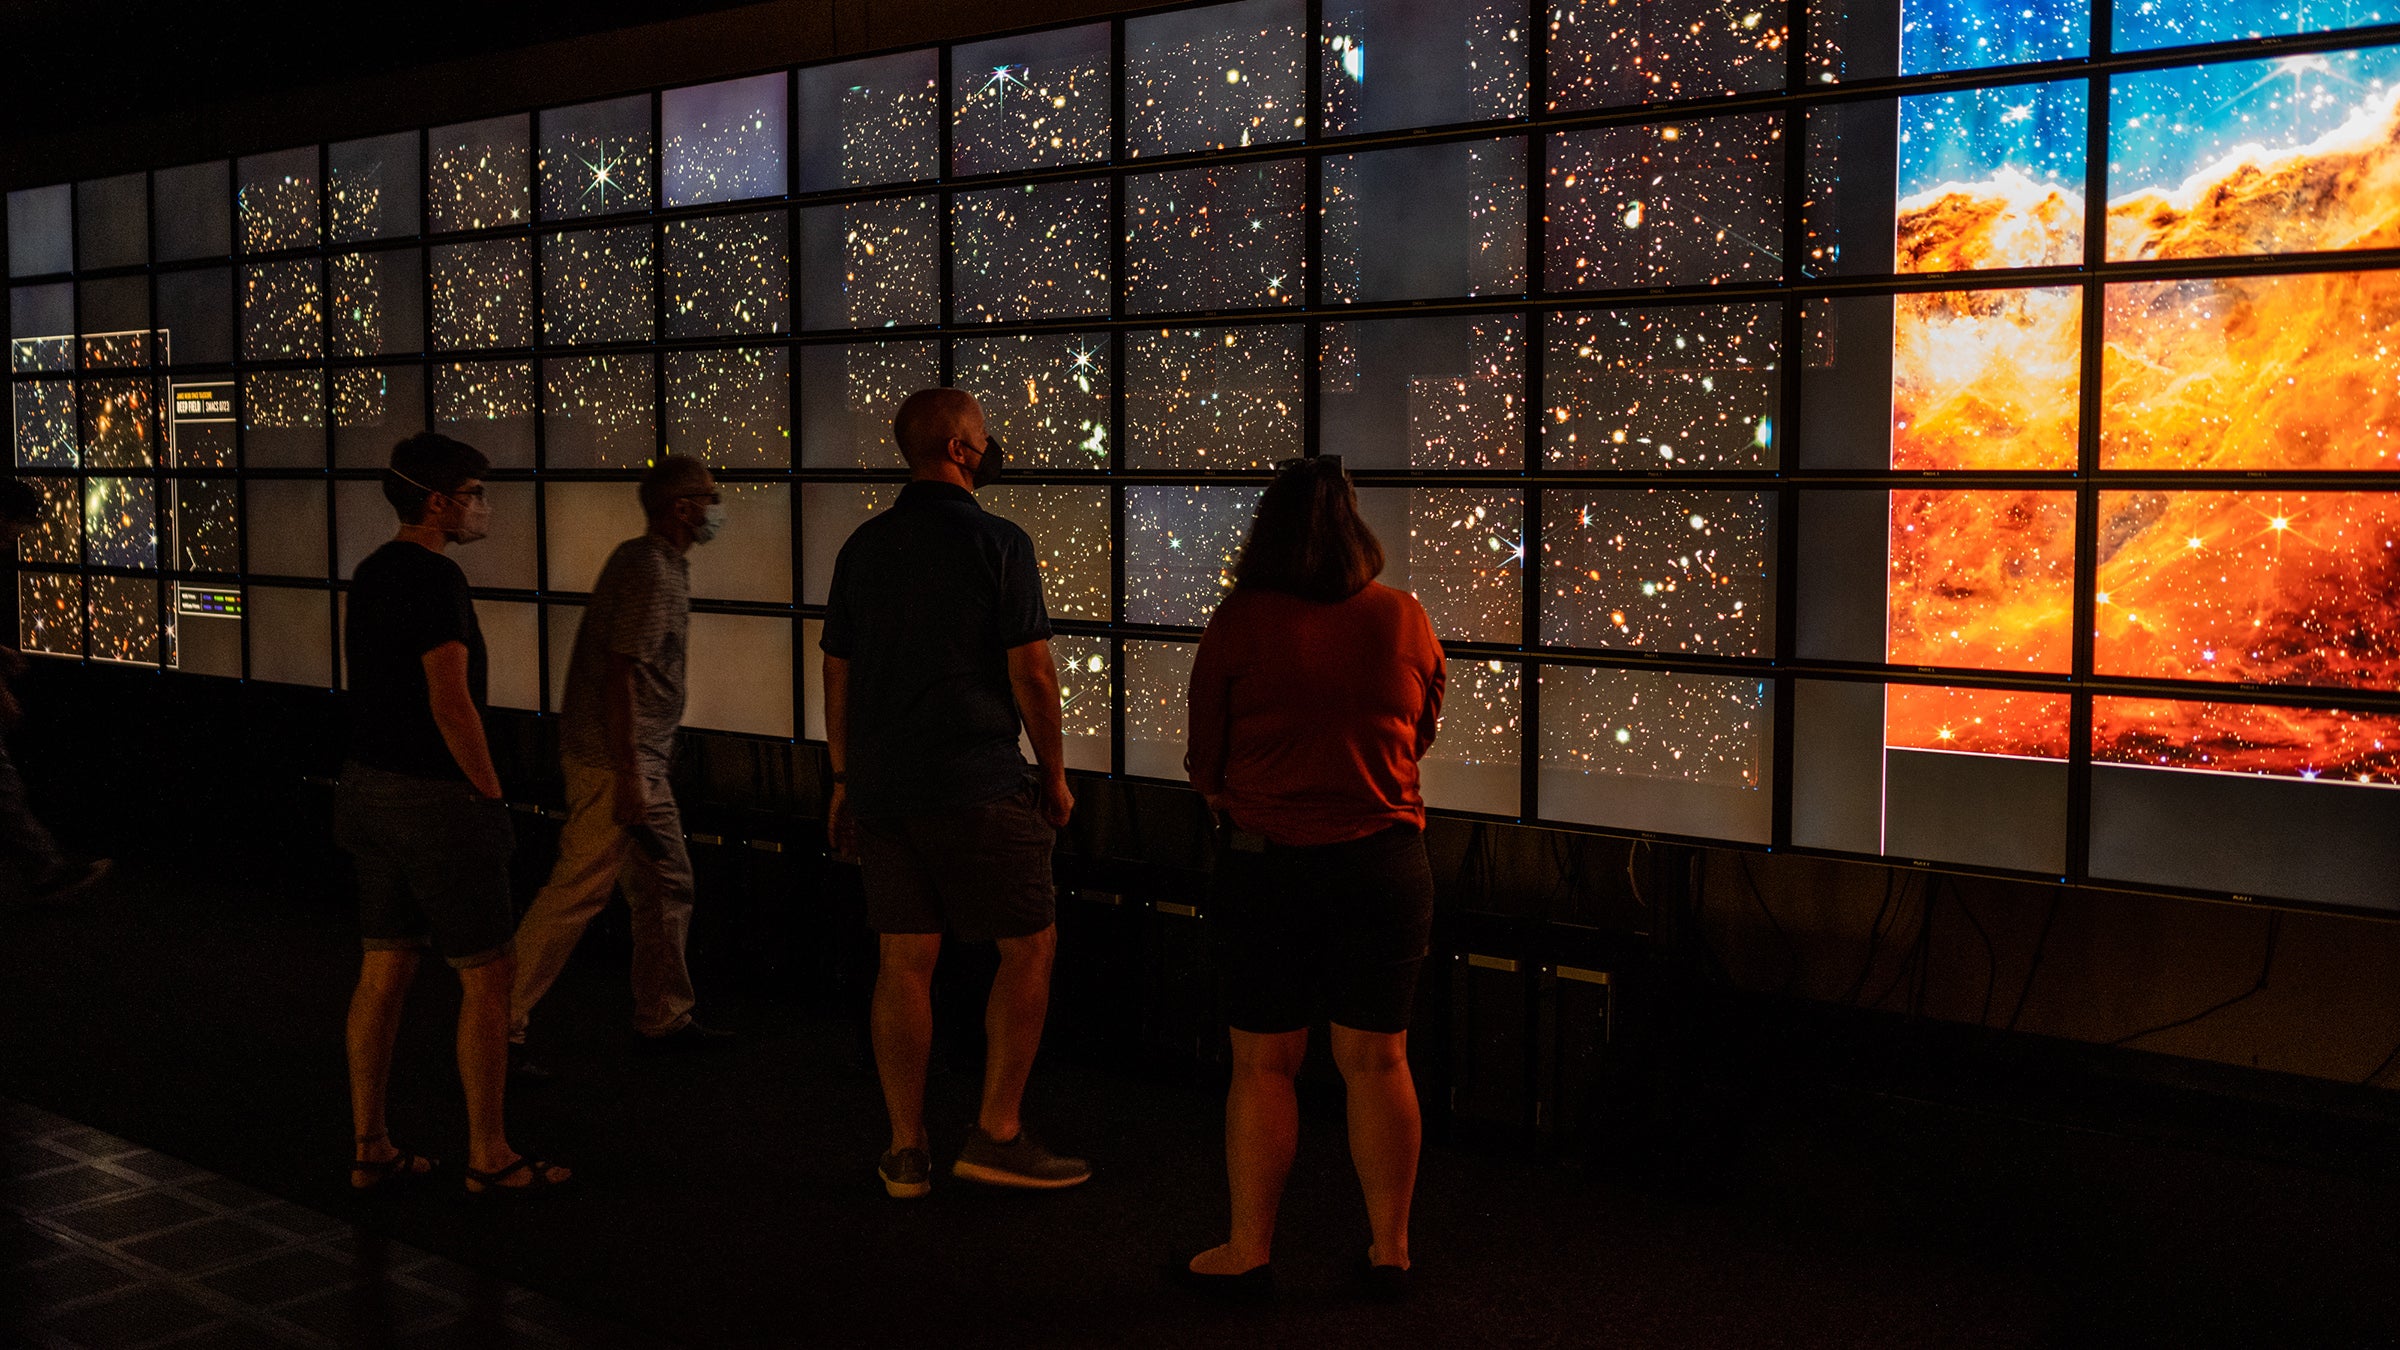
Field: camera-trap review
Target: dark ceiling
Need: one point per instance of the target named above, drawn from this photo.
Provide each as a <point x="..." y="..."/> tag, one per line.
<point x="82" y="65"/>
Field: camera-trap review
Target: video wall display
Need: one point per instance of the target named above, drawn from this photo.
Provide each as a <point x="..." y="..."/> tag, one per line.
<point x="1965" y="449"/>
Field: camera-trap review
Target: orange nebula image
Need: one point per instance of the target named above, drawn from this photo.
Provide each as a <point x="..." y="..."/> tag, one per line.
<point x="2287" y="373"/>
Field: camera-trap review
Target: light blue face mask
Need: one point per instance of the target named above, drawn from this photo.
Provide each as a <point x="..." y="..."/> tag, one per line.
<point x="712" y="522"/>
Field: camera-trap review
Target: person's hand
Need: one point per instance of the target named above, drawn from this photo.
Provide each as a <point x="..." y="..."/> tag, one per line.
<point x="1215" y="802"/>
<point x="841" y="827"/>
<point x="629" y="803"/>
<point x="1058" y="803"/>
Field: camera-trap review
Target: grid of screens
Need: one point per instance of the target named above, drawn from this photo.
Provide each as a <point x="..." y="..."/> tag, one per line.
<point x="1818" y="473"/>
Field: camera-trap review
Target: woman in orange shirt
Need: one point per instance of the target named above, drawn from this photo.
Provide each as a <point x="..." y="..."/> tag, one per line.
<point x="1314" y="694"/>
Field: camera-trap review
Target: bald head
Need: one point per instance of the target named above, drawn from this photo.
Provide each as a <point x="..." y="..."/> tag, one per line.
<point x="930" y="419"/>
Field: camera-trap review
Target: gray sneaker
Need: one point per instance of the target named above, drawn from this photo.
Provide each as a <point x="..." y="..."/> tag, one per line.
<point x="907" y="1173"/>
<point x="1020" y="1162"/>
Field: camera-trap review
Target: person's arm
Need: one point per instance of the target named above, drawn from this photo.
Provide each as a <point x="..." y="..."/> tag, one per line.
<point x="616" y="697"/>
<point x="454" y="713"/>
<point x="841" y="828"/>
<point x="1034" y="681"/>
<point x="1437" y="676"/>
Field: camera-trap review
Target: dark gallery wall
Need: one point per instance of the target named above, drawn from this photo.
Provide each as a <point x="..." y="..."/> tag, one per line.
<point x="2089" y="966"/>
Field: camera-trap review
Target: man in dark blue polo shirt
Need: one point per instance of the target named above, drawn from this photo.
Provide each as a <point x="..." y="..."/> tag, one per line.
<point x="936" y="645"/>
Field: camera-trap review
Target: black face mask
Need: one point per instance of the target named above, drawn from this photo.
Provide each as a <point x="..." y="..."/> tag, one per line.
<point x="987" y="469"/>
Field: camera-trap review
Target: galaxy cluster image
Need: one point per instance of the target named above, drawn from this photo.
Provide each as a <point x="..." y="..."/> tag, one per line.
<point x="50" y="613"/>
<point x="1483" y="712"/>
<point x="480" y="176"/>
<point x="1044" y="395"/>
<point x="488" y="404"/>
<point x="1607" y="53"/>
<point x="1659" y="569"/>
<point x="871" y="264"/>
<point x="724" y="142"/>
<point x="596" y="286"/>
<point x="1671" y="387"/>
<point x="371" y="188"/>
<point x="281" y="401"/>
<point x="1030" y="102"/>
<point x="1207" y="79"/>
<point x="1071" y="543"/>
<point x="483" y="294"/>
<point x="120" y="522"/>
<point x="1033" y="252"/>
<point x="1223" y="237"/>
<point x="1086" y="674"/>
<point x="1212" y="398"/>
<point x="1696" y="203"/>
<point x="44" y="421"/>
<point x="207" y="533"/>
<point x="865" y="123"/>
<point x="283" y="311"/>
<point x="373" y="407"/>
<point x="848" y="393"/>
<point x="277" y="200"/>
<point x="731" y="408"/>
<point x="1707" y="729"/>
<point x="125" y="620"/>
<point x="594" y="159"/>
<point x="57" y="534"/>
<point x="599" y="412"/>
<point x="120" y="423"/>
<point x="375" y="303"/>
<point x="727" y="274"/>
<point x="1464" y="558"/>
<point x="1180" y="543"/>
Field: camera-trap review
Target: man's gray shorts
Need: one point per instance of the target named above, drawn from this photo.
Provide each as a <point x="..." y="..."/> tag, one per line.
<point x="977" y="873"/>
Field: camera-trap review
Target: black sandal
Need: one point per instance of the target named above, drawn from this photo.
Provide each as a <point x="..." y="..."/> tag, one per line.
<point x="401" y="1167"/>
<point x="537" y="1178"/>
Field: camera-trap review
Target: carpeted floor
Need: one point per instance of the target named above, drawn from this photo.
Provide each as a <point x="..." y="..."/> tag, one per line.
<point x="729" y="1200"/>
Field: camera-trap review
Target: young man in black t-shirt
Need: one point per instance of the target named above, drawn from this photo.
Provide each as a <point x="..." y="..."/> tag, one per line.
<point x="419" y="810"/>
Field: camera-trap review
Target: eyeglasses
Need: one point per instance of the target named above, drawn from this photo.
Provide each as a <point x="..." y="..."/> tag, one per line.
<point x="1333" y="462"/>
<point x="465" y="492"/>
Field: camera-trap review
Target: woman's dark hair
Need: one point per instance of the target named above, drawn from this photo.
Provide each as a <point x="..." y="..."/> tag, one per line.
<point x="1307" y="539"/>
<point x="427" y="463"/>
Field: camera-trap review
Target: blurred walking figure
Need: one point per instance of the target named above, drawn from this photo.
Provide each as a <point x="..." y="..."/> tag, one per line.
<point x="1314" y="694"/>
<point x="624" y="705"/>
<point x="419" y="810"/>
<point x="43" y="871"/>
<point x="937" y="650"/>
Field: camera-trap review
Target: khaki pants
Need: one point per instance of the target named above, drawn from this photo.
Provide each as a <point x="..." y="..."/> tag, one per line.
<point x="595" y="856"/>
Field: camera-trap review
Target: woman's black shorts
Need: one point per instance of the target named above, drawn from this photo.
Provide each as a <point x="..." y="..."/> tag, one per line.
<point x="1332" y="932"/>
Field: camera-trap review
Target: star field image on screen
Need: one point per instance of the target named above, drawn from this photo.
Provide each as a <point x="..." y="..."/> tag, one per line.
<point x="120" y="424"/>
<point x="374" y="407"/>
<point x="1212" y="398"/>
<point x="1044" y="395"/>
<point x="1608" y="53"/>
<point x="480" y="176"/>
<point x="1222" y="237"/>
<point x="1206" y="79"/>
<point x="45" y="424"/>
<point x="282" y="311"/>
<point x="2142" y="24"/>
<point x="371" y="189"/>
<point x="120" y="522"/>
<point x="594" y="158"/>
<point x="1031" y="252"/>
<point x="1645" y="724"/>
<point x="1069" y="526"/>
<point x="1473" y="765"/>
<point x="207" y="537"/>
<point x="283" y="419"/>
<point x="1849" y="40"/>
<point x="599" y="412"/>
<point x="849" y="392"/>
<point x="870" y="264"/>
<point x="376" y="303"/>
<point x="1027" y="102"/>
<point x="1180" y="544"/>
<point x="1675" y="387"/>
<point x="1388" y="64"/>
<point x="596" y="286"/>
<point x="1427" y="222"/>
<point x="727" y="274"/>
<point x="1423" y="393"/>
<point x="1682" y="204"/>
<point x="1661" y="569"/>
<point x="1464" y="558"/>
<point x="277" y="200"/>
<point x="124" y="619"/>
<point x="731" y="408"/>
<point x="482" y="295"/>
<point x="1084" y="681"/>
<point x="871" y="121"/>
<point x="1158" y="681"/>
<point x="50" y="613"/>
<point x="724" y="142"/>
<point x="489" y="405"/>
<point x="57" y="533"/>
